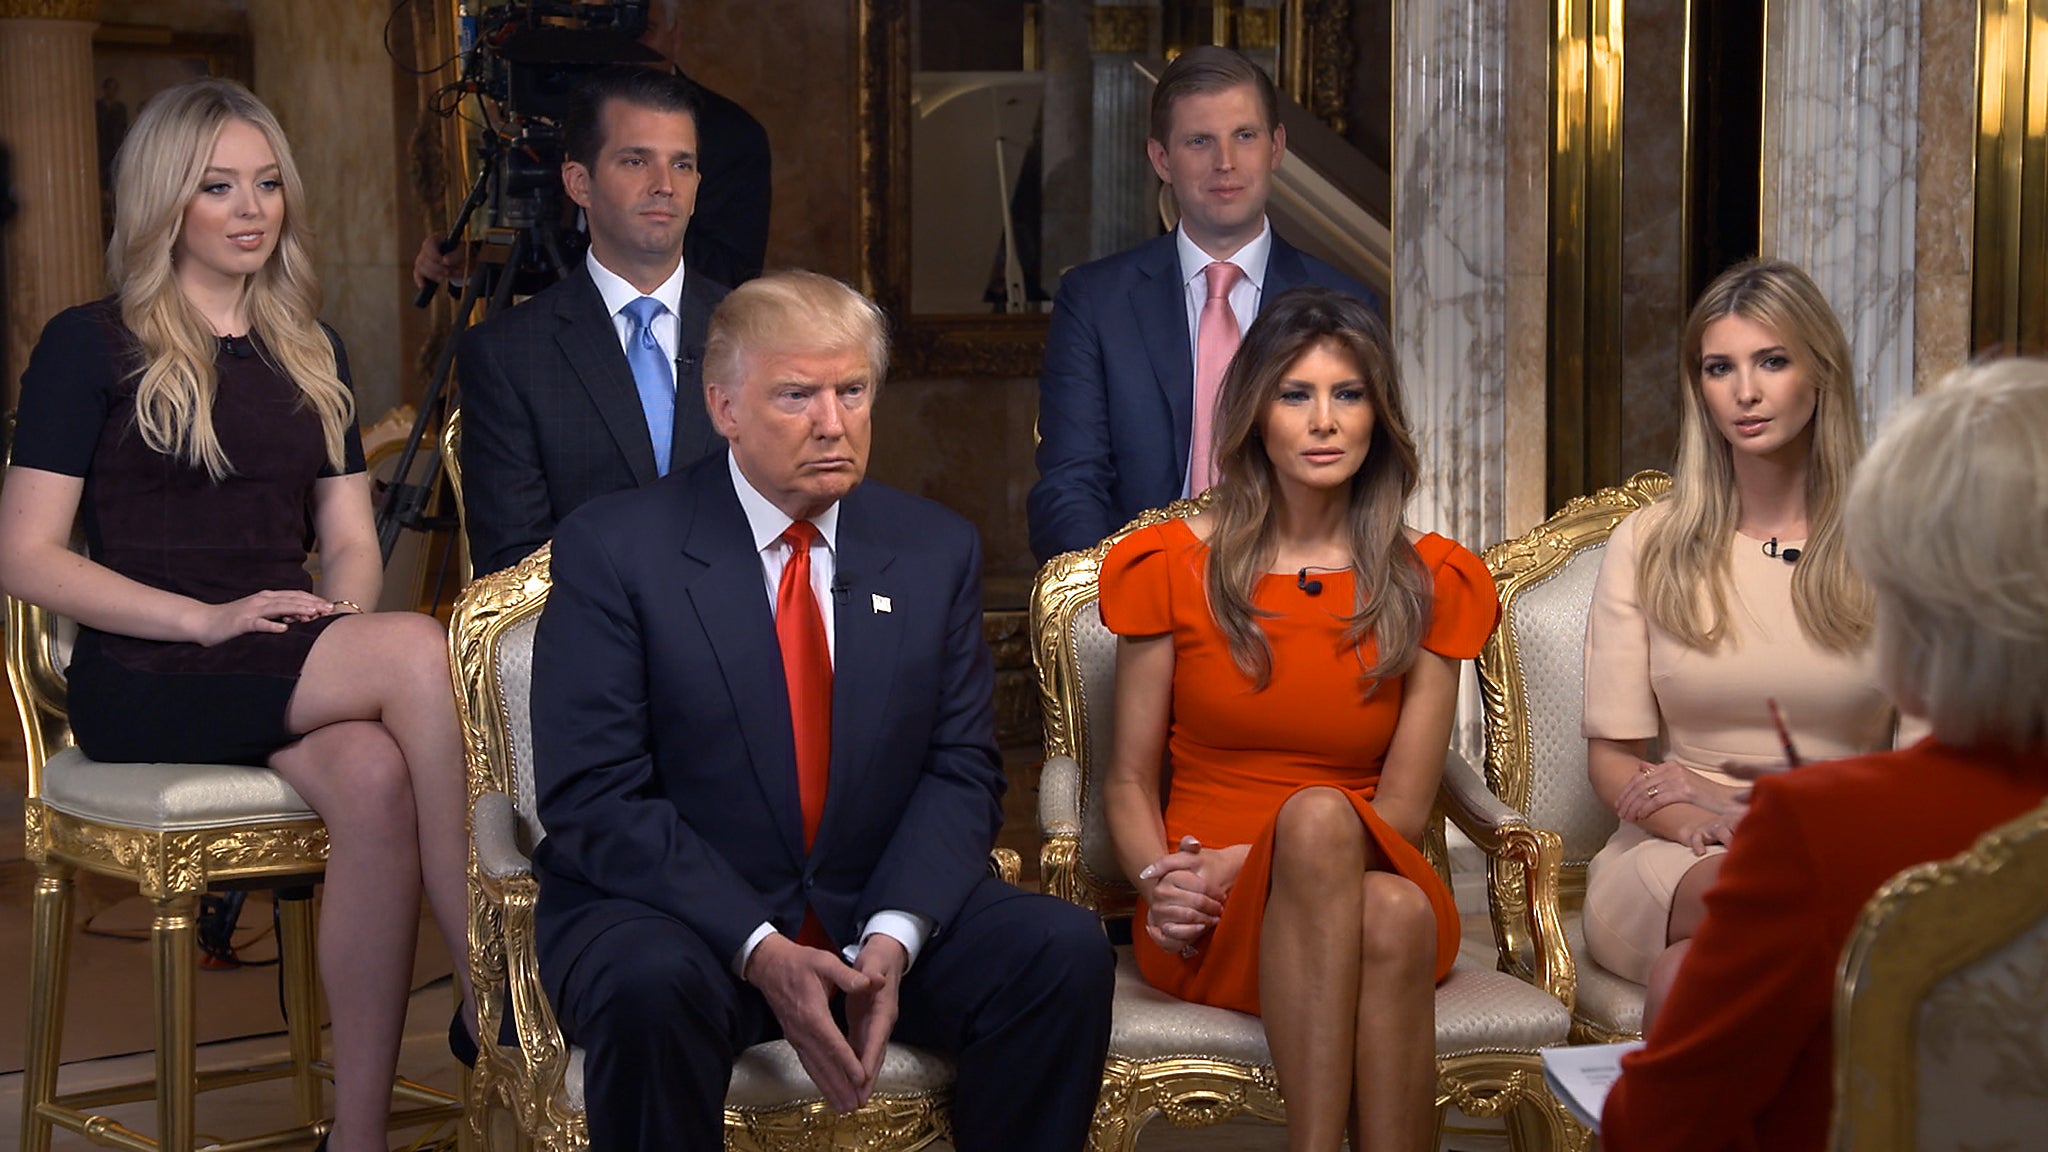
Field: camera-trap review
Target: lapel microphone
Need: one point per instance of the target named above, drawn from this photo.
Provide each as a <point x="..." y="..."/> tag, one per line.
<point x="239" y="350"/>
<point x="1312" y="587"/>
<point x="1788" y="555"/>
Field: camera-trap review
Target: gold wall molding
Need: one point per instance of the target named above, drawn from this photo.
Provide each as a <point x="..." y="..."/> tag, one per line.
<point x="50" y="10"/>
<point x="1120" y="29"/>
<point x="2009" y="289"/>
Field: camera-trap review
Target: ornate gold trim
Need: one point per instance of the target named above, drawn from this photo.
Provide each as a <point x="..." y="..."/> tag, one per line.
<point x="903" y="1123"/>
<point x="83" y="10"/>
<point x="1923" y="925"/>
<point x="1316" y="57"/>
<point x="1122" y="29"/>
<point x="1517" y="565"/>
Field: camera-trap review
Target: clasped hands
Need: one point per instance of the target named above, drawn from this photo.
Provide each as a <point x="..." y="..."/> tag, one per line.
<point x="799" y="983"/>
<point x="1655" y="786"/>
<point x="1184" y="892"/>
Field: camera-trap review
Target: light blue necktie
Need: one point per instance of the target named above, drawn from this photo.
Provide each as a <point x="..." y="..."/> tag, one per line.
<point x="653" y="374"/>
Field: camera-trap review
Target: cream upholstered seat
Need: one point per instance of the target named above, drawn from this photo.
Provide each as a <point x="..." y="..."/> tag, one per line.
<point x="1941" y="1011"/>
<point x="771" y="1101"/>
<point x="1202" y="1065"/>
<point x="1532" y="677"/>
<point x="176" y="831"/>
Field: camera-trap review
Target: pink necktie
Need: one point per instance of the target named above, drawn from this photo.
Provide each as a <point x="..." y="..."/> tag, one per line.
<point x="1216" y="339"/>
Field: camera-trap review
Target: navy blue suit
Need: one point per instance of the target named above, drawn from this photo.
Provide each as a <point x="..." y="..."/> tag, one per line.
<point x="1116" y="395"/>
<point x="665" y="775"/>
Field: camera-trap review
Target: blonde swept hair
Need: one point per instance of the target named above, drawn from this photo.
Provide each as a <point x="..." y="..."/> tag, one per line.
<point x="160" y="167"/>
<point x="1391" y="602"/>
<point x="1948" y="521"/>
<point x="1682" y="567"/>
<point x="793" y="312"/>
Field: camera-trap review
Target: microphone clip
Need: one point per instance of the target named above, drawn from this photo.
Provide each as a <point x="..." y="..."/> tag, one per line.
<point x="1788" y="555"/>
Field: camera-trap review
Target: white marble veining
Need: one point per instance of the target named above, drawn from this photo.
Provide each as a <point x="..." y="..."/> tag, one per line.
<point x="1841" y="124"/>
<point x="1450" y="267"/>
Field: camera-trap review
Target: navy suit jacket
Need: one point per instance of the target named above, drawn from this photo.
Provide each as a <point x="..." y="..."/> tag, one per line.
<point x="665" y="770"/>
<point x="551" y="417"/>
<point x="1116" y="396"/>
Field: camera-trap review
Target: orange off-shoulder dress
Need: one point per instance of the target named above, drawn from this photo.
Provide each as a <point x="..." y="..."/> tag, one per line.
<point x="1238" y="752"/>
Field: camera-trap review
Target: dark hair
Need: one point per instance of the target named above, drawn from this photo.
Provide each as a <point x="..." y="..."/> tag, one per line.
<point x="1392" y="601"/>
<point x="655" y="88"/>
<point x="1207" y="69"/>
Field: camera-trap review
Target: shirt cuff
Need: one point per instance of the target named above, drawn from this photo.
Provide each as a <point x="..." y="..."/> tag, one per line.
<point x="906" y="928"/>
<point x="739" y="962"/>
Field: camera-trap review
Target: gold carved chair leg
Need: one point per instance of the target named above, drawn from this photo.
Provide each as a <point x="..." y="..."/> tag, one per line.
<point x="302" y="998"/>
<point x="49" y="964"/>
<point x="173" y="937"/>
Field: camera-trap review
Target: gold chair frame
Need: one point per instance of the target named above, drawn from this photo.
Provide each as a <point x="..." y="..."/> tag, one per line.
<point x="1518" y="565"/>
<point x="530" y="1080"/>
<point x="1195" y="1091"/>
<point x="172" y="869"/>
<point x="1925" y="924"/>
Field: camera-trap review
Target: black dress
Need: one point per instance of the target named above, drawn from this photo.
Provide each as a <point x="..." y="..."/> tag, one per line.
<point x="160" y="521"/>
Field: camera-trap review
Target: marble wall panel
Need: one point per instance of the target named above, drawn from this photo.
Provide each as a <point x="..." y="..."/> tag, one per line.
<point x="1840" y="180"/>
<point x="1947" y="194"/>
<point x="790" y="63"/>
<point x="1652" y="231"/>
<point x="1526" y="229"/>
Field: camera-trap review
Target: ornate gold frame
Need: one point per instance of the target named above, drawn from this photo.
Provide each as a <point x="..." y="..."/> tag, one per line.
<point x="1517" y="565"/>
<point x="529" y="1080"/>
<point x="1199" y="1090"/>
<point x="1924" y="924"/>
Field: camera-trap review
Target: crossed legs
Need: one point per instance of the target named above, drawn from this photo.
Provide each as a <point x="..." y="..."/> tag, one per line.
<point x="1346" y="965"/>
<point x="1688" y="908"/>
<point x="381" y="762"/>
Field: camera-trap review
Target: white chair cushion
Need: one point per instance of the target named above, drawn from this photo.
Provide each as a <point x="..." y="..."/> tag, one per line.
<point x="1477" y="1009"/>
<point x="1549" y="622"/>
<point x="515" y="685"/>
<point x="770" y="1076"/>
<point x="1609" y="1001"/>
<point x="169" y="797"/>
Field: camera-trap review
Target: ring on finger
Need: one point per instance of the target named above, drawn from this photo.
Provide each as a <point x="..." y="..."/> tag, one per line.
<point x="1653" y="791"/>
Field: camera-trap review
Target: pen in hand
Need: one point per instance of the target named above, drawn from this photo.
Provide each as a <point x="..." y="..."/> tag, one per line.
<point x="1792" y="759"/>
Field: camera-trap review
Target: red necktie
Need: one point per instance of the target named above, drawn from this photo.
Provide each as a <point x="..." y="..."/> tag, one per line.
<point x="1216" y="339"/>
<point x="807" y="669"/>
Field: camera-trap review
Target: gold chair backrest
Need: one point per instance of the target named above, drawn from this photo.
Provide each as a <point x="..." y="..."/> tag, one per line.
<point x="491" y="639"/>
<point x="38" y="652"/>
<point x="1941" y="1008"/>
<point x="451" y="463"/>
<point x="1532" y="684"/>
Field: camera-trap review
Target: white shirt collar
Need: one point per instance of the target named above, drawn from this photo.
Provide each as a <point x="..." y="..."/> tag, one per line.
<point x="767" y="522"/>
<point x="1251" y="258"/>
<point x="618" y="293"/>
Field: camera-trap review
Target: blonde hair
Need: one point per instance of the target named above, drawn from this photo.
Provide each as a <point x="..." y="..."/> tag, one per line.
<point x="1391" y="603"/>
<point x="1682" y="569"/>
<point x="793" y="312"/>
<point x="1948" y="521"/>
<point x="158" y="170"/>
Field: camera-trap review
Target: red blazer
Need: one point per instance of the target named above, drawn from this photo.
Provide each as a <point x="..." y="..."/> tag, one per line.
<point x="1741" y="1056"/>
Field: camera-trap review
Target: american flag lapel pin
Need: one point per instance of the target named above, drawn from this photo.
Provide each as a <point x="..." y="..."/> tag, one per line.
<point x="882" y="604"/>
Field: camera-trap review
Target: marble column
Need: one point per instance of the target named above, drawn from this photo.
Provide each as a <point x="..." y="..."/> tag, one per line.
<point x="54" y="251"/>
<point x="1840" y="174"/>
<point x="1450" y="267"/>
<point x="1125" y="208"/>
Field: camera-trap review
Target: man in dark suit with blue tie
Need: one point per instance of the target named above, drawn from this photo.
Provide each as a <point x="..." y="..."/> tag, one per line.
<point x="592" y="386"/>
<point x="764" y="755"/>
<point x="1139" y="340"/>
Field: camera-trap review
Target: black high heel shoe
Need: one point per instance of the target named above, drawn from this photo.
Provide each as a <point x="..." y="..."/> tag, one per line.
<point x="460" y="1043"/>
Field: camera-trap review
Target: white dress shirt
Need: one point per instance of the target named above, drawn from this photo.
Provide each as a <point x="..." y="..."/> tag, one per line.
<point x="617" y="293"/>
<point x="768" y="523"/>
<point x="1245" y="295"/>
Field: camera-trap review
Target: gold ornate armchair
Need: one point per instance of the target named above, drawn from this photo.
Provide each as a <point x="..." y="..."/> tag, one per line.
<point x="1941" y="1010"/>
<point x="1532" y="680"/>
<point x="539" y="1081"/>
<point x="1201" y="1065"/>
<point x="176" y="831"/>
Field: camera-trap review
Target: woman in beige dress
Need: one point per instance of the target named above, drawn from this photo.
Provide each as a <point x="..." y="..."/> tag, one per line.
<point x="1732" y="591"/>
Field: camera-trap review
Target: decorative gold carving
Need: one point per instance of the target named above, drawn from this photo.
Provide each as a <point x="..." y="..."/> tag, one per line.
<point x="1330" y="55"/>
<point x="1059" y="868"/>
<point x="1924" y="925"/>
<point x="1122" y="29"/>
<point x="1258" y="27"/>
<point x="86" y="10"/>
<point x="884" y="1122"/>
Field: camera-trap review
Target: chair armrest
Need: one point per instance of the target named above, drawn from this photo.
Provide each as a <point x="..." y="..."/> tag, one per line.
<point x="495" y="825"/>
<point x="1059" y="829"/>
<point x="1522" y="890"/>
<point x="1004" y="864"/>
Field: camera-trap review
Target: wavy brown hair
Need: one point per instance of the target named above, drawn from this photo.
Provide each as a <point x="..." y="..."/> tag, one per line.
<point x="1392" y="601"/>
<point x="1682" y="566"/>
<point x="158" y="170"/>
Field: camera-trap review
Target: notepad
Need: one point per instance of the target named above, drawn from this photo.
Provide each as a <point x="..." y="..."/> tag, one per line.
<point x="1580" y="1076"/>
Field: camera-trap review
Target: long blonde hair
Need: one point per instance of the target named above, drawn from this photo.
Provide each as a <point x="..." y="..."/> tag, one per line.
<point x="156" y="173"/>
<point x="1392" y="598"/>
<point x="1682" y="567"/>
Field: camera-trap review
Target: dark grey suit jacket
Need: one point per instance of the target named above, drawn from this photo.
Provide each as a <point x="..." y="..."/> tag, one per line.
<point x="551" y="417"/>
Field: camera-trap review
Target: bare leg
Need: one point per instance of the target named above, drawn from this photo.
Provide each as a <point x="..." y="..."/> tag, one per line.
<point x="1309" y="962"/>
<point x="1688" y="908"/>
<point x="354" y="776"/>
<point x="1395" y="1087"/>
<point x="1663" y="974"/>
<point x="392" y="667"/>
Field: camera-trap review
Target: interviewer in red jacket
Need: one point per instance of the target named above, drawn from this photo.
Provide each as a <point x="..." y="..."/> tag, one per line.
<point x="1945" y="522"/>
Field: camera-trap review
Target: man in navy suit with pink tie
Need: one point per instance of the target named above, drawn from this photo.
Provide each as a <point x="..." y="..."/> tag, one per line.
<point x="765" y="759"/>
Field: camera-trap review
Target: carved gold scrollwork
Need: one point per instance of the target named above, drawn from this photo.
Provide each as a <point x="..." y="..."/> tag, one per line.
<point x="1120" y="29"/>
<point x="884" y="1122"/>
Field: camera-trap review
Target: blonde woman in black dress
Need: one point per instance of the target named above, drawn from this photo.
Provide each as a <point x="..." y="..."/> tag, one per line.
<point x="200" y="425"/>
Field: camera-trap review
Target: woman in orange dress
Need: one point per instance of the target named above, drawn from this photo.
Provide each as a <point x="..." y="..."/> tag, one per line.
<point x="1293" y="655"/>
